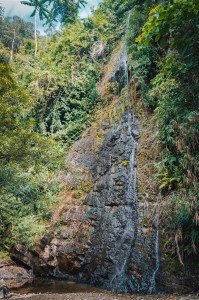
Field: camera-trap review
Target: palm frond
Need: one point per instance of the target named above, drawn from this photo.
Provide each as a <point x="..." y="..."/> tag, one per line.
<point x="44" y="9"/>
<point x="43" y="2"/>
<point x="30" y="3"/>
<point x="82" y="3"/>
<point x="33" y="13"/>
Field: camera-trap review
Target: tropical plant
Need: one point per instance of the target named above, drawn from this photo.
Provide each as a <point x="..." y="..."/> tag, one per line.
<point x="66" y="10"/>
<point x="168" y="83"/>
<point x="13" y="33"/>
<point x="40" y="9"/>
<point x="26" y="185"/>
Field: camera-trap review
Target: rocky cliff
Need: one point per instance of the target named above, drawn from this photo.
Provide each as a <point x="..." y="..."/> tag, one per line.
<point x="105" y="230"/>
<point x="96" y="232"/>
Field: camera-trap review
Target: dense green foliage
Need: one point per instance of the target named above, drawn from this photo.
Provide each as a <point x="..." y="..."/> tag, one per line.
<point x="63" y="78"/>
<point x="17" y="29"/>
<point x="27" y="159"/>
<point x="51" y="98"/>
<point x="65" y="10"/>
<point x="165" y="66"/>
<point x="45" y="100"/>
<point x="26" y="185"/>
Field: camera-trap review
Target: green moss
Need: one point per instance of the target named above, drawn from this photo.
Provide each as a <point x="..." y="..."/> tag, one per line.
<point x="4" y="255"/>
<point x="87" y="186"/>
<point x="172" y="265"/>
<point x="63" y="222"/>
<point x="80" y="191"/>
<point x="78" y="194"/>
<point x="99" y="135"/>
<point x="125" y="163"/>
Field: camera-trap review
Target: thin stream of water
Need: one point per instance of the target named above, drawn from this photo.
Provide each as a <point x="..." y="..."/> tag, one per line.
<point x="152" y="288"/>
<point x="132" y="168"/>
<point x="120" y="277"/>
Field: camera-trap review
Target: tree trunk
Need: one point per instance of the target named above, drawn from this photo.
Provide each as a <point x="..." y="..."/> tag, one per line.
<point x="36" y="32"/>
<point x="12" y="47"/>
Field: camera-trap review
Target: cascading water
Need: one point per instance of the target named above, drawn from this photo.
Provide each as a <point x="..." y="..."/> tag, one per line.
<point x="121" y="279"/>
<point x="132" y="172"/>
<point x="152" y="288"/>
<point x="115" y="195"/>
<point x="109" y="260"/>
<point x="121" y="274"/>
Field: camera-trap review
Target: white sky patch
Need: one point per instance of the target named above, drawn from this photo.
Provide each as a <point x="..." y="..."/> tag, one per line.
<point x="85" y="11"/>
<point x="15" y="8"/>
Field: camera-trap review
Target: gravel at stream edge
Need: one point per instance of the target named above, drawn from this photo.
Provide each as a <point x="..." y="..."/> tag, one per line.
<point x="102" y="296"/>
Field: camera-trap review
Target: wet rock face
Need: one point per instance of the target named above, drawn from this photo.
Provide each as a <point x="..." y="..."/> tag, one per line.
<point x="95" y="241"/>
<point x="113" y="208"/>
<point x="116" y="70"/>
<point x="110" y="212"/>
<point x="109" y="237"/>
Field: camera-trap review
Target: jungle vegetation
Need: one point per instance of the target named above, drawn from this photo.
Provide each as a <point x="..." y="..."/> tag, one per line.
<point x="48" y="94"/>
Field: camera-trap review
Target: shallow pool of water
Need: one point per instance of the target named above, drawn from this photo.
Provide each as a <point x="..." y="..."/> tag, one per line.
<point x="52" y="286"/>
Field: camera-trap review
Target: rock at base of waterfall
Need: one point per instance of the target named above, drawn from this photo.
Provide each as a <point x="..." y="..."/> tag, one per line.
<point x="4" y="290"/>
<point x="12" y="275"/>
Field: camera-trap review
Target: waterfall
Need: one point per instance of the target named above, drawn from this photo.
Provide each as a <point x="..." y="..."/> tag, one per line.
<point x="121" y="279"/>
<point x="152" y="288"/>
<point x="131" y="121"/>
<point x="132" y="170"/>
<point x="132" y="182"/>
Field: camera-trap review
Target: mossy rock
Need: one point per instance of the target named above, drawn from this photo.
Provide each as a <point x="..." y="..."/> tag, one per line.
<point x="125" y="163"/>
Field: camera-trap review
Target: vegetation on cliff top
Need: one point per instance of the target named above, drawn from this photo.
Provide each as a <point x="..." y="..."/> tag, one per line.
<point x="48" y="100"/>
